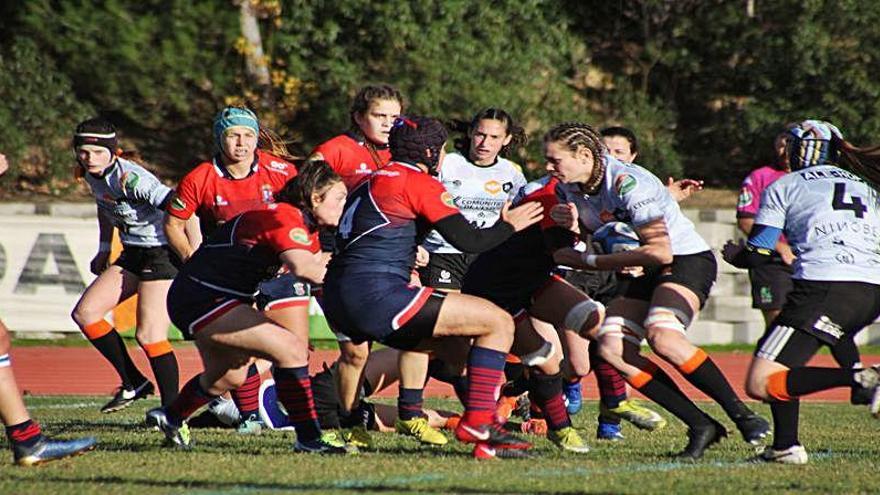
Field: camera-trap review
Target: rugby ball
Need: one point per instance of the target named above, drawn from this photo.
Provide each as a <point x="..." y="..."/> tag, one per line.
<point x="615" y="237"/>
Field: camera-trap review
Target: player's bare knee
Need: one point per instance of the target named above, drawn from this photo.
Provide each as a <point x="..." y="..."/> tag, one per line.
<point x="354" y="355"/>
<point x="5" y="341"/>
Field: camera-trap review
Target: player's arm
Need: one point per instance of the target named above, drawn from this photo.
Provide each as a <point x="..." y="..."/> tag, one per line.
<point x="180" y="210"/>
<point x="105" y="238"/>
<point x="758" y="250"/>
<point x="656" y="249"/>
<point x="175" y="231"/>
<point x="305" y="264"/>
<point x="469" y="239"/>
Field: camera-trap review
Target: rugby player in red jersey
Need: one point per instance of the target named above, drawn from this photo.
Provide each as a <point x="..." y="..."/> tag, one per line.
<point x="240" y="177"/>
<point x="211" y="301"/>
<point x="367" y="291"/>
<point x="354" y="155"/>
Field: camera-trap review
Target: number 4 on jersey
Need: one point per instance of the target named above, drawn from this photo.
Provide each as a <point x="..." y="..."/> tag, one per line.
<point x="839" y="201"/>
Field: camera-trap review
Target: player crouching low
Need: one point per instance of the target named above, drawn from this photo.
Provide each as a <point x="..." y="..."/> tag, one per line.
<point x="211" y="301"/>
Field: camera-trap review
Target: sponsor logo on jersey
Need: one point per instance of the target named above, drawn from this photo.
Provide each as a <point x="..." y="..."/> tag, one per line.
<point x="745" y="198"/>
<point x="447" y="199"/>
<point x="507" y="186"/>
<point x="178" y="204"/>
<point x="300" y="235"/>
<point x="129" y="181"/>
<point x="278" y="167"/>
<point x="624" y="184"/>
<point x="219" y="201"/>
<point x="363" y="169"/>
<point x="492" y="187"/>
<point x="445" y="277"/>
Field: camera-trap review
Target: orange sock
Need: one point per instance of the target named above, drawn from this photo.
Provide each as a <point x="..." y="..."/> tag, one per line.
<point x="644" y="376"/>
<point x="693" y="362"/>
<point x="776" y="386"/>
<point x="157" y="349"/>
<point x="98" y="329"/>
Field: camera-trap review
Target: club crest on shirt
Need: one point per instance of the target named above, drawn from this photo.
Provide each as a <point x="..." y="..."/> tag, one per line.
<point x="268" y="196"/>
<point x="745" y="198"/>
<point x="129" y="181"/>
<point x="624" y="184"/>
<point x="300" y="235"/>
<point x="447" y="199"/>
<point x="492" y="187"/>
<point x="178" y="204"/>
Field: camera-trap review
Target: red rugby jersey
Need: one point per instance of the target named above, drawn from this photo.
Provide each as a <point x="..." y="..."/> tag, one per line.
<point x="215" y="196"/>
<point x="351" y="158"/>
<point x="245" y="250"/>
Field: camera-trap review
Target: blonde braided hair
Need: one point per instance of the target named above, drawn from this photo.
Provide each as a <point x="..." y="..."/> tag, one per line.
<point x="577" y="135"/>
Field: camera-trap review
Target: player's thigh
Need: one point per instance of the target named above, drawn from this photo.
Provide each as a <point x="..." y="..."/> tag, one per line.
<point x="462" y="315"/>
<point x="112" y="286"/>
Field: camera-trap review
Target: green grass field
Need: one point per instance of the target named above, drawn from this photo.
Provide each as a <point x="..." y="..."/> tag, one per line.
<point x="842" y="441"/>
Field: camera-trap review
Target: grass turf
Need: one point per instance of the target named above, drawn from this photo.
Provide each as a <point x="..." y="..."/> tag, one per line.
<point x="841" y="439"/>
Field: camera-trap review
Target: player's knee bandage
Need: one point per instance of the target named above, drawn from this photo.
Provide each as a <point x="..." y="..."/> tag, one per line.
<point x="618" y="326"/>
<point x="581" y="312"/>
<point x="5" y="361"/>
<point x="665" y="318"/>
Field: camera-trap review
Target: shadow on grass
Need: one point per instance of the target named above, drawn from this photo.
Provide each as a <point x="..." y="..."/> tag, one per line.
<point x="393" y="485"/>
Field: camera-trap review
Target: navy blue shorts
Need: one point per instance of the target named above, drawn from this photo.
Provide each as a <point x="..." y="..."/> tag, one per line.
<point x="382" y="307"/>
<point x="283" y="291"/>
<point x="191" y="305"/>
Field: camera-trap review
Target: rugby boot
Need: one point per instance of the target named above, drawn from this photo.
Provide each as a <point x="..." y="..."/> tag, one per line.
<point x="569" y="440"/>
<point x="608" y="431"/>
<point x="492" y="435"/>
<point x="358" y="436"/>
<point x="485" y="451"/>
<point x="421" y="430"/>
<point x="225" y="411"/>
<point x="796" y="454"/>
<point x="125" y="397"/>
<point x="573" y="397"/>
<point x="252" y="425"/>
<point x="870" y="378"/>
<point x="640" y="416"/>
<point x="176" y="435"/>
<point x="47" y="450"/>
<point x="701" y="438"/>
<point x="327" y="443"/>
<point x="753" y="428"/>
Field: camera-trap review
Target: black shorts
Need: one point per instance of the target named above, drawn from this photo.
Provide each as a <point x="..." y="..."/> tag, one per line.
<point x="771" y="283"/>
<point x="830" y="310"/>
<point x="149" y="263"/>
<point x="283" y="291"/>
<point x="192" y="305"/>
<point x="600" y="286"/>
<point x="697" y="272"/>
<point x="446" y="270"/>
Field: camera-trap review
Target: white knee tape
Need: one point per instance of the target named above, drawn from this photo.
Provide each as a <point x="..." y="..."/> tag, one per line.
<point x="579" y="314"/>
<point x="667" y="318"/>
<point x="620" y="327"/>
<point x="5" y="361"/>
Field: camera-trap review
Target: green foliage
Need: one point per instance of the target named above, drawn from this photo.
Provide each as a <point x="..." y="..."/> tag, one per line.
<point x="37" y="116"/>
<point x="706" y="84"/>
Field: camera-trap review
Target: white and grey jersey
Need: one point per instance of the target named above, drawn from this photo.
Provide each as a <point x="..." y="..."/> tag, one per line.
<point x="479" y="192"/>
<point x="134" y="200"/>
<point x="831" y="219"/>
<point x="631" y="194"/>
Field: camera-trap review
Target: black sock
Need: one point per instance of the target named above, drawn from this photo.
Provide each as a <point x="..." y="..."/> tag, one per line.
<point x="808" y="379"/>
<point x="112" y="347"/>
<point x="785" y="423"/>
<point x="167" y="376"/>
<point x="846" y="353"/>
<point x="673" y="399"/>
<point x="709" y="380"/>
<point x="546" y="392"/>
